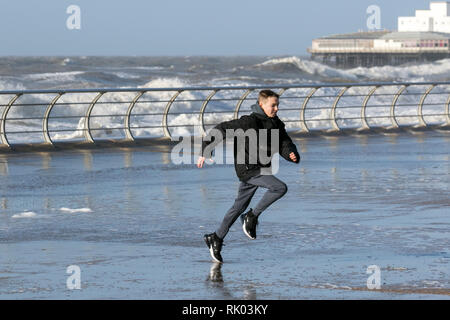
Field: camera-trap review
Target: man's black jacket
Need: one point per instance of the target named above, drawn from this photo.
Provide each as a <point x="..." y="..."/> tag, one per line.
<point x="252" y="164"/>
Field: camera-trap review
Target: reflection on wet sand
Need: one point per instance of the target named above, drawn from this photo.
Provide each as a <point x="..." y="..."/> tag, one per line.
<point x="87" y="159"/>
<point x="215" y="273"/>
<point x="46" y="160"/>
<point x="128" y="158"/>
<point x="4" y="171"/>
<point x="215" y="279"/>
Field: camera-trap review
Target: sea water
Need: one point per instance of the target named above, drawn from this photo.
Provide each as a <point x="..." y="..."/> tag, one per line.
<point x="67" y="119"/>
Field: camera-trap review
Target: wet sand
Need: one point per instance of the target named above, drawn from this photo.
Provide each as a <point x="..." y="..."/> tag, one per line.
<point x="133" y="221"/>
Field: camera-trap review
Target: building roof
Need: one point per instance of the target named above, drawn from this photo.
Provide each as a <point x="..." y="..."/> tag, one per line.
<point x="357" y="35"/>
<point x="409" y="35"/>
<point x="388" y="35"/>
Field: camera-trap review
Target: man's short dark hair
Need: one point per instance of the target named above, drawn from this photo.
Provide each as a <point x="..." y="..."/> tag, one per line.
<point x="264" y="94"/>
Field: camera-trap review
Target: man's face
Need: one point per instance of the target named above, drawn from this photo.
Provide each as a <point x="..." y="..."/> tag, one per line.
<point x="270" y="106"/>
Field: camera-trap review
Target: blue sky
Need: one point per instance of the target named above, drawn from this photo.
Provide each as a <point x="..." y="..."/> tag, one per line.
<point x="185" y="27"/>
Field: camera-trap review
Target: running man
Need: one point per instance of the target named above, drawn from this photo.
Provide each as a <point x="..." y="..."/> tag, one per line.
<point x="250" y="169"/>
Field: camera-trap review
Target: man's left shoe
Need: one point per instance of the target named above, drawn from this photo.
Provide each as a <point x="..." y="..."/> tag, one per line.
<point x="249" y="222"/>
<point x="214" y="244"/>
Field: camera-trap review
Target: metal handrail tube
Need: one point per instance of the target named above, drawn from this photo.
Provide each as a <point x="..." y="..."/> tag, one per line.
<point x="396" y="97"/>
<point x="447" y="111"/>
<point x="166" y="112"/>
<point x="3" y="120"/>
<point x="420" y="107"/>
<point x="239" y="104"/>
<point x="156" y="127"/>
<point x="374" y="117"/>
<point x="341" y="107"/>
<point x="206" y="124"/>
<point x="202" y="110"/>
<point x="304" y="126"/>
<point x="402" y="105"/>
<point x="46" y="116"/>
<point x="193" y="88"/>
<point x="128" y="132"/>
<point x="327" y="119"/>
<point x="365" y="124"/>
<point x="333" y="109"/>
<point x="292" y="120"/>
<point x="200" y="100"/>
<point x="317" y="108"/>
<point x="87" y="133"/>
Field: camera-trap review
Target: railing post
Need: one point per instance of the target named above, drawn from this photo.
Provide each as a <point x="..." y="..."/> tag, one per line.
<point x="333" y="110"/>
<point x="128" y="132"/>
<point x="3" y="120"/>
<point x="202" y="110"/>
<point x="394" y="102"/>
<point x="87" y="128"/>
<point x="447" y="111"/>
<point x="280" y="93"/>
<point x="241" y="100"/>
<point x="166" y="112"/>
<point x="365" y="125"/>
<point x="422" y="122"/>
<point x="303" y="126"/>
<point x="45" y="132"/>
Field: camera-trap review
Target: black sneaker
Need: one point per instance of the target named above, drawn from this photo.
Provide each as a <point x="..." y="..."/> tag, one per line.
<point x="249" y="222"/>
<point x="214" y="244"/>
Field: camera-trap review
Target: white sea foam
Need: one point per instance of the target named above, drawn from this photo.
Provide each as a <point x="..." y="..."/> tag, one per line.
<point x="26" y="214"/>
<point x="68" y="210"/>
<point x="54" y="76"/>
<point x="432" y="283"/>
<point x="414" y="73"/>
<point x="126" y="75"/>
<point x="311" y="67"/>
<point x="6" y="85"/>
<point x="329" y="286"/>
<point x="152" y="68"/>
<point x="165" y="83"/>
<point x="75" y="105"/>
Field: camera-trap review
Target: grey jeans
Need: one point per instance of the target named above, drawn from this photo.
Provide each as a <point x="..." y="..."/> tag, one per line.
<point x="275" y="190"/>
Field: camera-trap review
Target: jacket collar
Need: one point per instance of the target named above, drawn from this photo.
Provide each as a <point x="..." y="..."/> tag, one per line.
<point x="260" y="112"/>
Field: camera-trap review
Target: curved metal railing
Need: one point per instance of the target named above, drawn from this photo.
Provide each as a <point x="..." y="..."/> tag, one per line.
<point x="329" y="107"/>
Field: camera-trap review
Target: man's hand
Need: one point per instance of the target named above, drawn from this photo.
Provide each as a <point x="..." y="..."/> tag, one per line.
<point x="200" y="162"/>
<point x="293" y="157"/>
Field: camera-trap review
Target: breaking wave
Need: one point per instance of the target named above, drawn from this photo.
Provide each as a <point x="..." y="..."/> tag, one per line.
<point x="432" y="71"/>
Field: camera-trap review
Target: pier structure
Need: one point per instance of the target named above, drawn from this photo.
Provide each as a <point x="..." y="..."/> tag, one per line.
<point x="423" y="38"/>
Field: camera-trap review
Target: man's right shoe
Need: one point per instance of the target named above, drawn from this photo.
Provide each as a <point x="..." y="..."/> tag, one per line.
<point x="214" y="244"/>
<point x="249" y="222"/>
